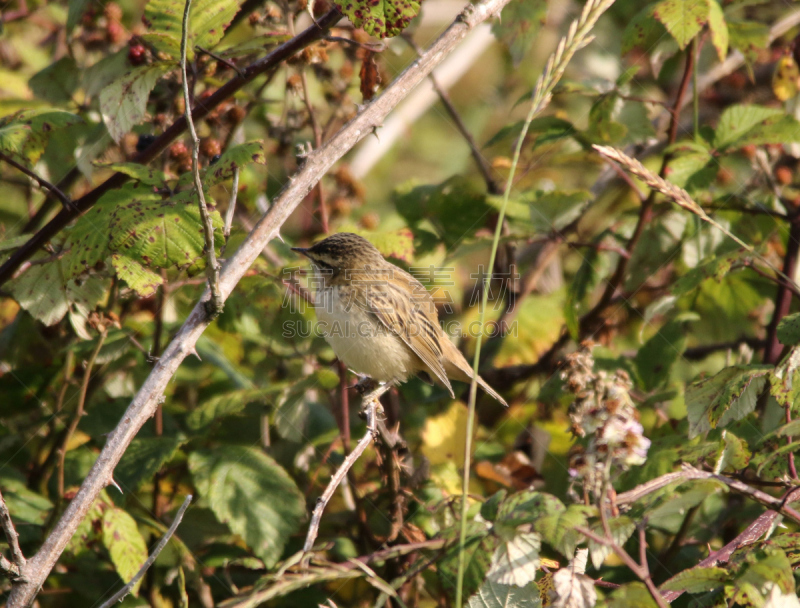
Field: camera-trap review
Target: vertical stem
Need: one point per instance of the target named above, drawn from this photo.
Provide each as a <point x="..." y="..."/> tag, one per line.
<point x="214" y="305"/>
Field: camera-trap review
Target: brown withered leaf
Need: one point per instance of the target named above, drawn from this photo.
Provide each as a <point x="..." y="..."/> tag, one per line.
<point x="370" y="77"/>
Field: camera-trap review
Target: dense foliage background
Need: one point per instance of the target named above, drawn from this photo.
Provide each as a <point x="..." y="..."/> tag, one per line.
<point x="630" y="336"/>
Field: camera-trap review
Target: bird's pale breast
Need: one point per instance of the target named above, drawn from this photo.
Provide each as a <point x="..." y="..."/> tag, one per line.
<point x="360" y="340"/>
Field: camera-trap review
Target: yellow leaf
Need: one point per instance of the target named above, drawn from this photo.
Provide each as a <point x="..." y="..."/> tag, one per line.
<point x="785" y="78"/>
<point x="445" y="436"/>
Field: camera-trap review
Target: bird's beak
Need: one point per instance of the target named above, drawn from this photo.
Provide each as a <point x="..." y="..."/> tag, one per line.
<point x="301" y="250"/>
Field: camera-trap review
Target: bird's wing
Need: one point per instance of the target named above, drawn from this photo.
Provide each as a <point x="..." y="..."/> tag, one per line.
<point x="404" y="307"/>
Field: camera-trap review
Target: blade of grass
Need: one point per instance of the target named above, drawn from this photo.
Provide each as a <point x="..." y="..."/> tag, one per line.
<point x="578" y="36"/>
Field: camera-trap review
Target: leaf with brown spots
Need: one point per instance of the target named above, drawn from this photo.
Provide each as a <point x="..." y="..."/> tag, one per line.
<point x="381" y="18"/>
<point x="24" y="135"/>
<point x="123" y="103"/>
<point x="125" y="544"/>
<point x="235" y="156"/>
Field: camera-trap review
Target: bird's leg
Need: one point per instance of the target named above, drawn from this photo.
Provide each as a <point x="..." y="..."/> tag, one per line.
<point x="365" y="384"/>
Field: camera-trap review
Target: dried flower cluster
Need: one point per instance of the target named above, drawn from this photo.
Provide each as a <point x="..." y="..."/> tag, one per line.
<point x="604" y="413"/>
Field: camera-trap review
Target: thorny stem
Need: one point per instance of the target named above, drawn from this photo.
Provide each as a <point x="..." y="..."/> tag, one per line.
<point x="13" y="543"/>
<point x="215" y="303"/>
<point x="87" y="376"/>
<point x="65" y="200"/>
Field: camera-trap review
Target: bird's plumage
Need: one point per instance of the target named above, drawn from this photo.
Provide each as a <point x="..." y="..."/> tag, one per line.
<point x="392" y="325"/>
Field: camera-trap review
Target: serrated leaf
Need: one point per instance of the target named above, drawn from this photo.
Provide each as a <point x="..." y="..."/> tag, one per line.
<point x="208" y="20"/>
<point x="519" y="26"/>
<point x="380" y="18"/>
<point x="234" y="157"/>
<point x="47" y="294"/>
<point x="57" y="82"/>
<point x="160" y="234"/>
<point x="683" y="18"/>
<point x="528" y="506"/>
<point x="515" y="561"/>
<point x="125" y="545"/>
<point x="141" y="173"/>
<point x="497" y="595"/>
<point x="727" y="396"/>
<point x="621" y="530"/>
<point x="123" y="103"/>
<point x="643" y="31"/>
<point x="697" y="580"/>
<point x="142" y="280"/>
<point x="143" y="459"/>
<point x="734" y="453"/>
<point x="571" y="587"/>
<point x="718" y="28"/>
<point x="558" y="529"/>
<point x="219" y="406"/>
<point x="741" y="125"/>
<point x="785" y="380"/>
<point x="252" y="493"/>
<point x="24" y="135"/>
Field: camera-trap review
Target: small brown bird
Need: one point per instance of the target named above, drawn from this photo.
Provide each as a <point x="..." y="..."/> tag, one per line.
<point x="379" y="319"/>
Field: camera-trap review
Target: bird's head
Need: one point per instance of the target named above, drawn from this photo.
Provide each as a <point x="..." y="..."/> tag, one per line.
<point x="342" y="251"/>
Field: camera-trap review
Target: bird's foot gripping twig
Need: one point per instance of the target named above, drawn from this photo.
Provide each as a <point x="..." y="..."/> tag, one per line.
<point x="372" y="408"/>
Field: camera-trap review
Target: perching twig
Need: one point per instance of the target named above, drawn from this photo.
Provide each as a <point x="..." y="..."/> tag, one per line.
<point x="13" y="569"/>
<point x="371" y="405"/>
<point x="65" y="200"/>
<point x="144" y="403"/>
<point x="215" y="303"/>
<point x="150" y="560"/>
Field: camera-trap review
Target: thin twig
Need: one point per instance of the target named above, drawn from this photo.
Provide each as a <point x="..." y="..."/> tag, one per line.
<point x="153" y="556"/>
<point x="222" y="60"/>
<point x="87" y="375"/>
<point x="65" y="200"/>
<point x="13" y="540"/>
<point x="371" y="406"/>
<point x="151" y="391"/>
<point x="226" y="231"/>
<point x="215" y="303"/>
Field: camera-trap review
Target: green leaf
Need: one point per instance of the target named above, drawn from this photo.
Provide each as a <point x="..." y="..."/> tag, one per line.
<point x="57" y="82"/>
<point x="558" y="530"/>
<point x="669" y="515"/>
<point x="643" y="31"/>
<point x="222" y="405"/>
<point x="526" y="507"/>
<point x="208" y="20"/>
<point x="24" y="135"/>
<point x="380" y="18"/>
<point x="233" y="158"/>
<point x="734" y="453"/>
<point x="142" y="280"/>
<point x="683" y="18"/>
<point x="583" y="282"/>
<point x="478" y="549"/>
<point x="697" y="580"/>
<point x="718" y="28"/>
<point x="125" y="545"/>
<point x="141" y="173"/>
<point x="25" y="505"/>
<point x="655" y="359"/>
<point x="143" y="459"/>
<point x="497" y="595"/>
<point x="75" y="12"/>
<point x="491" y="507"/>
<point x="47" y="294"/>
<point x="789" y="329"/>
<point x="603" y="126"/>
<point x="631" y="594"/>
<point x="765" y="569"/>
<point x="160" y="234"/>
<point x="725" y="397"/>
<point x="292" y="414"/>
<point x="692" y="167"/>
<point x="555" y="209"/>
<point x="716" y="267"/>
<point x="621" y="530"/>
<point x="519" y="27"/>
<point x="252" y="493"/>
<point x="785" y="380"/>
<point x="742" y="125"/>
<point x="515" y="561"/>
<point x="123" y="103"/>
<point x="749" y="37"/>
